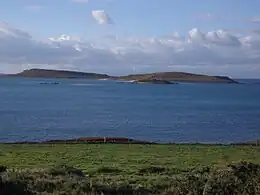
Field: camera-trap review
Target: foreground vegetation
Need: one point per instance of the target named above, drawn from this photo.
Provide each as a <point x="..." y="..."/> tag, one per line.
<point x="129" y="169"/>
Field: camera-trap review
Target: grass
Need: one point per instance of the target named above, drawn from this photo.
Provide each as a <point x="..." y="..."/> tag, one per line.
<point x="152" y="167"/>
<point x="128" y="158"/>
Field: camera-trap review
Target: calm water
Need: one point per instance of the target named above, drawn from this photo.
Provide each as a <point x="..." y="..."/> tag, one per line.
<point x="178" y="113"/>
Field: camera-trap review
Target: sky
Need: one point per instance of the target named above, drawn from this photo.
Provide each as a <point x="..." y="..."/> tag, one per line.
<point x="215" y="37"/>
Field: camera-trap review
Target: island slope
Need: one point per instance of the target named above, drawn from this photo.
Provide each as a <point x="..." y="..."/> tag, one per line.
<point x="45" y="73"/>
<point x="179" y="77"/>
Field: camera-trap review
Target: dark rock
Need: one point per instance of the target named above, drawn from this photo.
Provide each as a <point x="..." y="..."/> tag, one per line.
<point x="3" y="168"/>
<point x="52" y="83"/>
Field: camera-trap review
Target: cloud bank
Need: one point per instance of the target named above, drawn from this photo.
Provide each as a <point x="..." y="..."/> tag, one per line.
<point x="215" y="52"/>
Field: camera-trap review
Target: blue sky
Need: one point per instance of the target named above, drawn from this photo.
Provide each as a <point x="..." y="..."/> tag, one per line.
<point x="135" y="17"/>
<point x="217" y="37"/>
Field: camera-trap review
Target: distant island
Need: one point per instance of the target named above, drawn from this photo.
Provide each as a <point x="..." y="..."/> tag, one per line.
<point x="45" y="73"/>
<point x="153" y="78"/>
<point x="179" y="77"/>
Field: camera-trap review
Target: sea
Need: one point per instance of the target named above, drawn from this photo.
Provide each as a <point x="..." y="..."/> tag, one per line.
<point x="187" y="112"/>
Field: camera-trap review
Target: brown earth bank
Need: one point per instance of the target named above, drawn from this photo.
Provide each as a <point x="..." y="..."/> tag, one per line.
<point x="123" y="140"/>
<point x="89" y="140"/>
<point x="165" y="76"/>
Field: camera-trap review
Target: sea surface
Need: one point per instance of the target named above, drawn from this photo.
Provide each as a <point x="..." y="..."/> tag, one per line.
<point x="207" y="113"/>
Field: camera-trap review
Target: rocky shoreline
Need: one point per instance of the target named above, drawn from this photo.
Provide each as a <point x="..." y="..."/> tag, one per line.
<point x="152" y="81"/>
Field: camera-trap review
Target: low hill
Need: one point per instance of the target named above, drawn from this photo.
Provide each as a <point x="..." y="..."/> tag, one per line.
<point x="179" y="77"/>
<point x="44" y="73"/>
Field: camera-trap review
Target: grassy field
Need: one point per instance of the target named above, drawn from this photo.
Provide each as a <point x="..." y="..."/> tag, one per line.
<point x="153" y="167"/>
<point x="127" y="158"/>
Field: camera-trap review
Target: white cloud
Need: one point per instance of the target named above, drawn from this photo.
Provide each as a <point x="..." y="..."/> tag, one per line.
<point x="80" y="1"/>
<point x="7" y="31"/>
<point x="101" y="17"/>
<point x="215" y="52"/>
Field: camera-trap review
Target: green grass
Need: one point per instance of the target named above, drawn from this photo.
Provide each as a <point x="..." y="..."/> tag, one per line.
<point x="127" y="158"/>
<point x="153" y="167"/>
